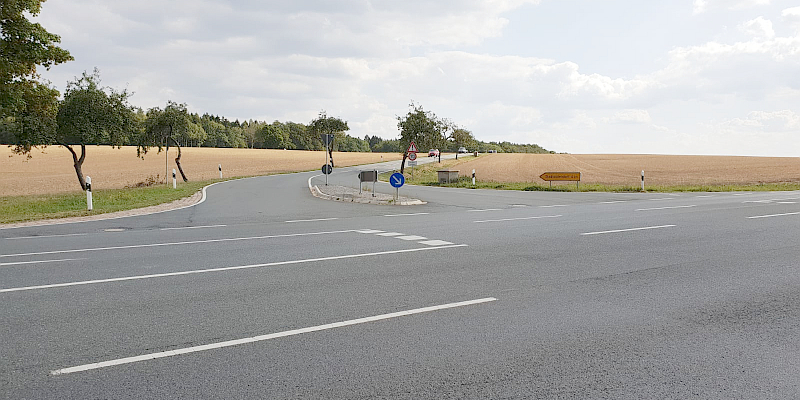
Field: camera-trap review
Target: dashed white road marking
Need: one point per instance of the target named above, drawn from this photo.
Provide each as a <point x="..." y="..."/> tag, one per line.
<point x="773" y="215"/>
<point x="663" y="198"/>
<point x="614" y="202"/>
<point x="704" y="196"/>
<point x="411" y="237"/>
<point x="557" y="205"/>
<point x="488" y="209"/>
<point x="405" y="215"/>
<point x="310" y="220"/>
<point x="629" y="230"/>
<point x="223" y="269"/>
<point x="46" y="236"/>
<point x="229" y="343"/>
<point x="435" y="243"/>
<point x="192" y="227"/>
<point x="39" y="262"/>
<point x="664" y="208"/>
<point x="390" y="234"/>
<point x="517" y="219"/>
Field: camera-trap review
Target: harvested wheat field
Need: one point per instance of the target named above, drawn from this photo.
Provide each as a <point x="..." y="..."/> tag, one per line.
<point x="111" y="168"/>
<point x="612" y="169"/>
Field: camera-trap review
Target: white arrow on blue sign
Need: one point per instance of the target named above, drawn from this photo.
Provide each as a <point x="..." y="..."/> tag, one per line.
<point x="397" y="179"/>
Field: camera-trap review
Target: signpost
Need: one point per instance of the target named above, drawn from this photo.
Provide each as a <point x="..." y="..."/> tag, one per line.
<point x="412" y="156"/>
<point x="561" y="176"/>
<point x="328" y="140"/>
<point x="396" y="180"/>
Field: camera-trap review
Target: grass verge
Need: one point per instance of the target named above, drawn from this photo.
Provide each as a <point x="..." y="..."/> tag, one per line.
<point x="37" y="207"/>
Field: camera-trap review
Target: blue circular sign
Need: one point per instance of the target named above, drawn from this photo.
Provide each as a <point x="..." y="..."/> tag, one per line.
<point x="397" y="179"/>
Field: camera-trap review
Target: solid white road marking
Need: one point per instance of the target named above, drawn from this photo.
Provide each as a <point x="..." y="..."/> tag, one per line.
<point x="704" y="197"/>
<point x="614" y="202"/>
<point x="435" y="243"/>
<point x="390" y="234"/>
<point x="664" y="208"/>
<point x="229" y="343"/>
<point x="192" y="227"/>
<point x="405" y="215"/>
<point x="221" y="269"/>
<point x="557" y="205"/>
<point x="629" y="230"/>
<point x="663" y="198"/>
<point x="39" y="262"/>
<point x="369" y="231"/>
<point x="46" y="236"/>
<point x="773" y="215"/>
<point x="310" y="220"/>
<point x="488" y="209"/>
<point x="518" y="205"/>
<point x="517" y="219"/>
<point x="137" y="246"/>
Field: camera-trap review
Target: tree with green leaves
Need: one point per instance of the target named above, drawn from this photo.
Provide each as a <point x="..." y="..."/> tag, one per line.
<point x="161" y="129"/>
<point x="24" y="46"/>
<point x="90" y="114"/>
<point x="325" y="125"/>
<point x="423" y="128"/>
<point x="461" y="137"/>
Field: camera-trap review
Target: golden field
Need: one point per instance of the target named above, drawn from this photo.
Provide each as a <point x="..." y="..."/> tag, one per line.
<point x="660" y="170"/>
<point x="51" y="171"/>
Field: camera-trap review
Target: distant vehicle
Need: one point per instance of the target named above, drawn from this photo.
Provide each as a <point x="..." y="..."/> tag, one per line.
<point x="492" y="151"/>
<point x="433" y="153"/>
<point x="462" y="150"/>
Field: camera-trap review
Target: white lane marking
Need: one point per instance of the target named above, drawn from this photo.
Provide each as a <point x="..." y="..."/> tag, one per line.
<point x="557" y="205"/>
<point x="757" y="201"/>
<point x="192" y="227"/>
<point x="222" y="269"/>
<point x="664" y="208"/>
<point x="773" y="215"/>
<point x="253" y="339"/>
<point x="39" y="262"/>
<point x="138" y="246"/>
<point x="46" y="236"/>
<point x="518" y="205"/>
<point x="310" y="220"/>
<point x="663" y="198"/>
<point x="629" y="230"/>
<point x="114" y="230"/>
<point x="488" y="209"/>
<point x="704" y="197"/>
<point x="369" y="231"/>
<point x="405" y="215"/>
<point x="741" y="194"/>
<point x="390" y="234"/>
<point x="435" y="243"/>
<point x="614" y="202"/>
<point x="411" y="237"/>
<point x="517" y="219"/>
<point x="787" y="202"/>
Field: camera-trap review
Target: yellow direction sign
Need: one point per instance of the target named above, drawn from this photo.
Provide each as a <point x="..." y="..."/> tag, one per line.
<point x="561" y="176"/>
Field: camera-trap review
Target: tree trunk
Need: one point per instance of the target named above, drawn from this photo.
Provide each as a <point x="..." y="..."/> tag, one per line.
<point x="178" y="160"/>
<point x="403" y="164"/>
<point x="77" y="162"/>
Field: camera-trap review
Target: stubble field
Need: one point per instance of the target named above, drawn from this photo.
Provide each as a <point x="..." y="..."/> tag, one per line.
<point x="625" y="170"/>
<point x="110" y="168"/>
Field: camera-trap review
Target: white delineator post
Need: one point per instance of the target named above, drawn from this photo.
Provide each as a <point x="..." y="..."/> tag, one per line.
<point x="220" y="171"/>
<point x="174" y="181"/>
<point x="89" y="193"/>
<point x="473" y="177"/>
<point x="643" y="180"/>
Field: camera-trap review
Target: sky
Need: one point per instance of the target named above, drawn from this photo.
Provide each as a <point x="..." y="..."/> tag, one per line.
<point x="704" y="77"/>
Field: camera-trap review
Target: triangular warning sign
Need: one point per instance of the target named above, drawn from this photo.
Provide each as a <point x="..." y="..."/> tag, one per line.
<point x="412" y="148"/>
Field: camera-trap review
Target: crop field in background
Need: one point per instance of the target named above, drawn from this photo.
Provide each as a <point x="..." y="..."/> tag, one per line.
<point x="110" y="168"/>
<point x="625" y="170"/>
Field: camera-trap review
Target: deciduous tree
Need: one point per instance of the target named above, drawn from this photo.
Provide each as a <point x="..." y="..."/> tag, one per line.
<point x="325" y="125"/>
<point x="162" y="128"/>
<point x="423" y="128"/>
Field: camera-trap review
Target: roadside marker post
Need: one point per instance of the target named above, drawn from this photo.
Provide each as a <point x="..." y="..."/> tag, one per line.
<point x="89" y="193"/>
<point x="220" y="171"/>
<point x="473" y="177"/>
<point x="643" y="180"/>
<point x="174" y="181"/>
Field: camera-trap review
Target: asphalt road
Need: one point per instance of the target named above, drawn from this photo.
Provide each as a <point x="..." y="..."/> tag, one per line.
<point x="263" y="291"/>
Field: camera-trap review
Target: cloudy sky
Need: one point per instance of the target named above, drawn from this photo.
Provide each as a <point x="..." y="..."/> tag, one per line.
<point x="718" y="77"/>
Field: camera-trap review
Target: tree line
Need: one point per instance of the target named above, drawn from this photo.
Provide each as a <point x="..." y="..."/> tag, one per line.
<point x="33" y="116"/>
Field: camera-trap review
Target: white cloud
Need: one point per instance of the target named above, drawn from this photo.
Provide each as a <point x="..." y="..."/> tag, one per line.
<point x="701" y="6"/>
<point x="758" y="27"/>
<point x="630" y="117"/>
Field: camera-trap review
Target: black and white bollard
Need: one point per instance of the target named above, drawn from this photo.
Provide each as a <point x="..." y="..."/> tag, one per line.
<point x="174" y="181"/>
<point x="473" y="177"/>
<point x="89" y="193"/>
<point x="643" y="180"/>
<point x="220" y="171"/>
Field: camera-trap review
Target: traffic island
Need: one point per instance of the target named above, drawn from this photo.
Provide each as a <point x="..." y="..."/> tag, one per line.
<point x="352" y="195"/>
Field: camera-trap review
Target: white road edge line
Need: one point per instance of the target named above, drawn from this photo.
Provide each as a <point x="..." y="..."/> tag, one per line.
<point x="629" y="230"/>
<point x="39" y="262"/>
<point x="405" y="215"/>
<point x="136" y="246"/>
<point x="664" y="208"/>
<point x="773" y="215"/>
<point x="46" y="236"/>
<point x="221" y="269"/>
<point x="517" y="219"/>
<point x="488" y="209"/>
<point x="229" y="343"/>
<point x="192" y="227"/>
